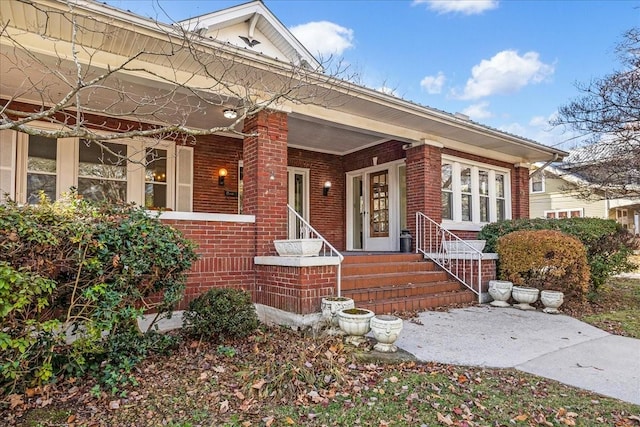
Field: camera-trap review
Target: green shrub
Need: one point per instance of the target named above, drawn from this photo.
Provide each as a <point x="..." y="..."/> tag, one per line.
<point x="608" y="244"/>
<point x="81" y="267"/>
<point x="220" y="314"/>
<point x="546" y="260"/>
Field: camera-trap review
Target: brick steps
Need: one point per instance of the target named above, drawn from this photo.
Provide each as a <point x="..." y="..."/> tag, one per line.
<point x="388" y="283"/>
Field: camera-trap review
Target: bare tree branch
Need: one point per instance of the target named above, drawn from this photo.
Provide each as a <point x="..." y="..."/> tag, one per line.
<point x="608" y="115"/>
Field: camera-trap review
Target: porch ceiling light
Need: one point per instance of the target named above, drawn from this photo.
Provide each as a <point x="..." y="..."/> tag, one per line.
<point x="230" y="114"/>
<point x="326" y="188"/>
<point x="221" y="174"/>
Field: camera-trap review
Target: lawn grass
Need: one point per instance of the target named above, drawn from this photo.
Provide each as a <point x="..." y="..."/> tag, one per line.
<point x="617" y="308"/>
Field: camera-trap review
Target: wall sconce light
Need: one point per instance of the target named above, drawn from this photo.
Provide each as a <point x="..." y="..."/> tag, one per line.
<point x="221" y="174"/>
<point x="230" y="114"/>
<point x="326" y="188"/>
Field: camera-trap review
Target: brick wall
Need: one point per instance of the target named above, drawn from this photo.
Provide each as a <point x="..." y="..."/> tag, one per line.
<point x="424" y="165"/>
<point x="225" y="250"/>
<point x="469" y="269"/>
<point x="265" y="177"/>
<point x="294" y="289"/>
<point x="385" y="152"/>
<point x="520" y="193"/>
<point x="327" y="214"/>
<point x="211" y="153"/>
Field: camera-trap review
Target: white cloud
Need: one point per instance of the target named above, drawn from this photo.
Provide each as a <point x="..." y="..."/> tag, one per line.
<point x="433" y="84"/>
<point x="466" y="7"/>
<point x="538" y="129"/>
<point x="478" y="111"/>
<point x="324" y="38"/>
<point x="505" y="73"/>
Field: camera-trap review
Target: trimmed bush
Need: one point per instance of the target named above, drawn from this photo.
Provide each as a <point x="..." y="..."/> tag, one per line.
<point x="220" y="314"/>
<point x="546" y="260"/>
<point x="608" y="244"/>
<point x="76" y="267"/>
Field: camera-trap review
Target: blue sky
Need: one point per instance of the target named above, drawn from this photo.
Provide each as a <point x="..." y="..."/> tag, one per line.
<point x="508" y="64"/>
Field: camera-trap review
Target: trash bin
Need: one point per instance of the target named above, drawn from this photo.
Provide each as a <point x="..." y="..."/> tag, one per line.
<point x="405" y="241"/>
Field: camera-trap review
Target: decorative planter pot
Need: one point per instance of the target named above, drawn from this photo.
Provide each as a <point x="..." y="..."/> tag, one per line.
<point x="330" y="307"/>
<point x="456" y="247"/>
<point x="355" y="322"/>
<point x="551" y="301"/>
<point x="500" y="291"/>
<point x="524" y="296"/>
<point x="386" y="329"/>
<point x="298" y="247"/>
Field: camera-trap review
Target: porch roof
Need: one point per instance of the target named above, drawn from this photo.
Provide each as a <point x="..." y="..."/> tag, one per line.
<point x="348" y="117"/>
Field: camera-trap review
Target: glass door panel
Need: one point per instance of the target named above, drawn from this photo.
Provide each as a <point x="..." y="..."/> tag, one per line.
<point x="379" y="202"/>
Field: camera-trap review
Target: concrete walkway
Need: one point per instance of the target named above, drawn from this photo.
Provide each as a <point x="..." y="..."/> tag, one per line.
<point x="552" y="346"/>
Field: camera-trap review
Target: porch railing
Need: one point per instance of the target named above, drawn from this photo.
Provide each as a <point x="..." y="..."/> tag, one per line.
<point x="306" y="231"/>
<point x="457" y="257"/>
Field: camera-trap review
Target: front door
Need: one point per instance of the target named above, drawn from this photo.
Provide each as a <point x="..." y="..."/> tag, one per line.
<point x="373" y="217"/>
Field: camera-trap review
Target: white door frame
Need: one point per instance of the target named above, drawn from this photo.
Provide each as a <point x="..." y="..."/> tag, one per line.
<point x="392" y="242"/>
<point x="291" y="193"/>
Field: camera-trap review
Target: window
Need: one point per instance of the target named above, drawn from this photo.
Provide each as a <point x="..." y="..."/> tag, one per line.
<point x="474" y="193"/>
<point x="564" y="213"/>
<point x="41" y="168"/>
<point x="537" y="182"/>
<point x="447" y="191"/>
<point x="155" y="174"/>
<point x="102" y="171"/>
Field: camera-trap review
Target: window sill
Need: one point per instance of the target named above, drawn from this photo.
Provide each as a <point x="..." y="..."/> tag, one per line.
<point x="462" y="226"/>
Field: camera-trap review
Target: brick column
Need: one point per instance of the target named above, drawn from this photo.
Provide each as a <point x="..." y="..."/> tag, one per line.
<point x="520" y="194"/>
<point x="265" y="177"/>
<point x="424" y="178"/>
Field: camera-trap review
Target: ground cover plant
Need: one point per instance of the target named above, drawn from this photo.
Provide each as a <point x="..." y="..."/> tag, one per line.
<point x="76" y="268"/>
<point x="278" y="377"/>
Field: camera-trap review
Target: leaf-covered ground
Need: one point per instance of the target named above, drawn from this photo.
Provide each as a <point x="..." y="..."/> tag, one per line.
<point x="278" y="377"/>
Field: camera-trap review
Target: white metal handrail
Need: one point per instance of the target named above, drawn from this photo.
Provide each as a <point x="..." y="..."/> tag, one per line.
<point x="450" y="252"/>
<point x="306" y="231"/>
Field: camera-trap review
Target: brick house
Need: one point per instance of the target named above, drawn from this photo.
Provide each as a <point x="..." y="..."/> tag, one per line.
<point x="359" y="167"/>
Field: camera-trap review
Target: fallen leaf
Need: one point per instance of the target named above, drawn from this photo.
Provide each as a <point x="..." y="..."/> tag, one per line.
<point x="258" y="384"/>
<point x="521" y="417"/>
<point x="289" y="421"/>
<point x="15" y="400"/>
<point x="268" y="421"/>
<point x="114" y="404"/>
<point x="224" y="406"/>
<point x="444" y="420"/>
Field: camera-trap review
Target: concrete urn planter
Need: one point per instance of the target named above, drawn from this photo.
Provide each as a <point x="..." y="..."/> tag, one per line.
<point x="524" y="296"/>
<point x="551" y="301"/>
<point x="500" y="291"/>
<point x="330" y="307"/>
<point x="356" y="323"/>
<point x="386" y="329"/>
<point x="298" y="247"/>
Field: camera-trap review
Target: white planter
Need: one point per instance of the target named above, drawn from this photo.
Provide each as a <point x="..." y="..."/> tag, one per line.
<point x="525" y="296"/>
<point x="551" y="301"/>
<point x="355" y="322"/>
<point x="386" y="329"/>
<point x="298" y="247"/>
<point x="332" y="305"/>
<point x="500" y="291"/>
<point x="457" y="247"/>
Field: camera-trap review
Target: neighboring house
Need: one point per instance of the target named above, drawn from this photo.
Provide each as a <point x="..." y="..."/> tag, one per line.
<point x="566" y="189"/>
<point x="358" y="169"/>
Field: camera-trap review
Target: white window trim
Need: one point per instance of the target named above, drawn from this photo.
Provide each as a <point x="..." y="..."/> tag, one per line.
<point x="542" y="180"/>
<point x="67" y="175"/>
<point x="568" y="211"/>
<point x="475" y="224"/>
